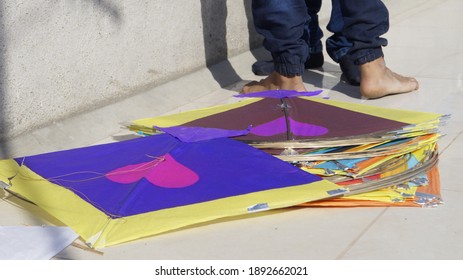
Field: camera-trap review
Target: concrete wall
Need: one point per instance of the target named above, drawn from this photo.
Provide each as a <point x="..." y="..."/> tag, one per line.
<point x="62" y="57"/>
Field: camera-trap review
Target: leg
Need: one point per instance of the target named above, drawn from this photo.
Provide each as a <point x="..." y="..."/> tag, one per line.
<point x="284" y="25"/>
<point x="364" y="22"/>
<point x="313" y="38"/>
<point x="338" y="46"/>
<point x="316" y="58"/>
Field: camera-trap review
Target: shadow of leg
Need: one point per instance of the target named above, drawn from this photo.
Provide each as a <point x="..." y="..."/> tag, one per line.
<point x="214" y="17"/>
<point x="255" y="39"/>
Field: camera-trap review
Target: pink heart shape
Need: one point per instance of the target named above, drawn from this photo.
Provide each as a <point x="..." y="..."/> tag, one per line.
<point x="278" y="126"/>
<point x="164" y="172"/>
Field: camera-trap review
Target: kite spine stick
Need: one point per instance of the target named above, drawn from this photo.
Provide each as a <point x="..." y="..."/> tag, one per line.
<point x="284" y="105"/>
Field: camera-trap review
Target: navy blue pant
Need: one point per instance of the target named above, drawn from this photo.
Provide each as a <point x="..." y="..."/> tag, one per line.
<point x="337" y="44"/>
<point x="285" y="24"/>
<point x="315" y="32"/>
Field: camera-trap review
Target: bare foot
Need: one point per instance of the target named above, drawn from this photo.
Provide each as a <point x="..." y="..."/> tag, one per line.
<point x="376" y="80"/>
<point x="275" y="81"/>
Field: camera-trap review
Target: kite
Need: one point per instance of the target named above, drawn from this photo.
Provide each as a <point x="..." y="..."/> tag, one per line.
<point x="364" y="148"/>
<point x="117" y="192"/>
<point x="423" y="191"/>
<point x="297" y="121"/>
<point x="411" y="179"/>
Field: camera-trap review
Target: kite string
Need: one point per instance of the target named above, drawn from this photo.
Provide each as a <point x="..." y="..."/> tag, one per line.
<point x="168" y="148"/>
<point x="95" y="204"/>
<point x="140" y="168"/>
<point x="55" y="179"/>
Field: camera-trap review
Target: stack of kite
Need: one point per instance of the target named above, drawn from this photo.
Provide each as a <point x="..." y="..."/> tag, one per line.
<point x="232" y="160"/>
<point x="380" y="156"/>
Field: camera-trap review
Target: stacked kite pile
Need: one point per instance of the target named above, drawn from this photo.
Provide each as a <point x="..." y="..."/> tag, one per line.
<point x="399" y="169"/>
<point x="231" y="160"/>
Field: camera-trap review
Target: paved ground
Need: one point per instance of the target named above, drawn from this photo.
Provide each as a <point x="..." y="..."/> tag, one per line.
<point x="430" y="50"/>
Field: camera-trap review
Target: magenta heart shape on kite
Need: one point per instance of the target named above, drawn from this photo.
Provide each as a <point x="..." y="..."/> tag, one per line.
<point x="164" y="172"/>
<point x="279" y="126"/>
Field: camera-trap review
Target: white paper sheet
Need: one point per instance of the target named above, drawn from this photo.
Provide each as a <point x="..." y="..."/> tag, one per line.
<point x="33" y="242"/>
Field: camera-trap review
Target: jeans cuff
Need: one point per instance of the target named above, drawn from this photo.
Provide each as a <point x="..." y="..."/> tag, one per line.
<point x="290" y="70"/>
<point x="365" y="56"/>
<point x="317" y="48"/>
<point x="337" y="55"/>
